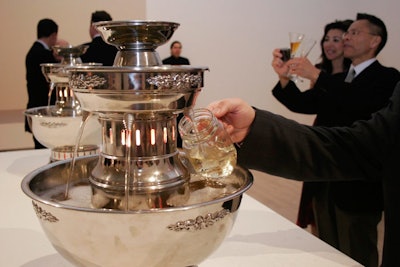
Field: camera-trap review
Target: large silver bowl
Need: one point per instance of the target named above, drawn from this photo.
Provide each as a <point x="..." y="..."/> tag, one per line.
<point x="186" y="231"/>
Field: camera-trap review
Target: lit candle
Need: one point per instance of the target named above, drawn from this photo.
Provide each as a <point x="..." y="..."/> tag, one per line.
<point x="137" y="137"/>
<point x="152" y="136"/>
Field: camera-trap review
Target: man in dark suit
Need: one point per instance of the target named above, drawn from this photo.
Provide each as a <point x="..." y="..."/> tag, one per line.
<point x="338" y="100"/>
<point x="99" y="51"/>
<point x="40" y="52"/>
<point x="368" y="150"/>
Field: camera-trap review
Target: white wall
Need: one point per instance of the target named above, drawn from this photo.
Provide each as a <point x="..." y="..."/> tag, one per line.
<point x="235" y="39"/>
<point x="18" y="21"/>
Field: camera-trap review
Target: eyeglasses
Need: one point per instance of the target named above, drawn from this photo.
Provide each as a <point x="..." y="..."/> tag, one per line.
<point x="353" y="33"/>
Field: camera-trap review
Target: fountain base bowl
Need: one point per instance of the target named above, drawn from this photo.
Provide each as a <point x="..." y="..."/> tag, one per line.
<point x="172" y="236"/>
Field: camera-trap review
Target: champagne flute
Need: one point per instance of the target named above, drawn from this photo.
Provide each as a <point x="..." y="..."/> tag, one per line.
<point x="302" y="51"/>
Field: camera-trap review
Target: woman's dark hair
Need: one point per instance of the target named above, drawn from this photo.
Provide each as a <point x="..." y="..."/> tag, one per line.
<point x="325" y="64"/>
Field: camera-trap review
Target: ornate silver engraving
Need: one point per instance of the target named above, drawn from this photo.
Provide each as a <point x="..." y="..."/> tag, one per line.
<point x="42" y="214"/>
<point x="201" y="222"/>
<point x="52" y="124"/>
<point x="83" y="81"/>
<point x="175" y="81"/>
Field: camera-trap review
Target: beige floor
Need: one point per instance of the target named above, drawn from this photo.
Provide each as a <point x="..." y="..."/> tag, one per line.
<point x="283" y="195"/>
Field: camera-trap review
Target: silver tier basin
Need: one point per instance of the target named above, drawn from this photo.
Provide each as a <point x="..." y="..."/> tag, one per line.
<point x="136" y="40"/>
<point x="136" y="89"/>
<point x="70" y="54"/>
<point x="55" y="72"/>
<point x="168" y="229"/>
<point x="58" y="72"/>
<point x="60" y="133"/>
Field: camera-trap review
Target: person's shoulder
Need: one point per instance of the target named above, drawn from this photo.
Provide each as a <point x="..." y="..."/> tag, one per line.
<point x="32" y="48"/>
<point x="377" y="64"/>
<point x="39" y="51"/>
<point x="100" y="42"/>
<point x="180" y="61"/>
<point x="385" y="69"/>
<point x="185" y="60"/>
<point x="36" y="46"/>
<point x="167" y="60"/>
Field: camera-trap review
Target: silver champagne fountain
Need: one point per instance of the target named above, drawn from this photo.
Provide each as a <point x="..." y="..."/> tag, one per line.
<point x="56" y="126"/>
<point x="137" y="203"/>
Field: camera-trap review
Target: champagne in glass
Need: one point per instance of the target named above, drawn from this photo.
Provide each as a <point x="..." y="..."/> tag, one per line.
<point x="305" y="47"/>
<point x="302" y="51"/>
<point x="295" y="41"/>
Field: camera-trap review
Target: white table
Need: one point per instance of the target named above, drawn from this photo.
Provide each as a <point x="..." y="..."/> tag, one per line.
<point x="260" y="237"/>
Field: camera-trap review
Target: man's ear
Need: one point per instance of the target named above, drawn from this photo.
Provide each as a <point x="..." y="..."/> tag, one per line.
<point x="376" y="40"/>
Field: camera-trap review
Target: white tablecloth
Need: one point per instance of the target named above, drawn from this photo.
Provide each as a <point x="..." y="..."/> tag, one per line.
<point x="260" y="237"/>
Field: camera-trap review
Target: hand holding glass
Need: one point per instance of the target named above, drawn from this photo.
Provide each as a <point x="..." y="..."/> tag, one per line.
<point x="207" y="145"/>
<point x="303" y="50"/>
<point x="285" y="54"/>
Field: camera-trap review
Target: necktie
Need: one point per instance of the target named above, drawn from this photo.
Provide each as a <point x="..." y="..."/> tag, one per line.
<point x="350" y="76"/>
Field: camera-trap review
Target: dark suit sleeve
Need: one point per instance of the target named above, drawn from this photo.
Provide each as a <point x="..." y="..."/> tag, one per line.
<point x="291" y="97"/>
<point x="330" y="82"/>
<point x="285" y="148"/>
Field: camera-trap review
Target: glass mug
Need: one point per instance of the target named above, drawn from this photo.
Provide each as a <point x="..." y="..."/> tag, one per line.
<point x="208" y="147"/>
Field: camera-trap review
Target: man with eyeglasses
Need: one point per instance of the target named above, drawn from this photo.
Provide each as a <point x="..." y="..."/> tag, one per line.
<point x="348" y="97"/>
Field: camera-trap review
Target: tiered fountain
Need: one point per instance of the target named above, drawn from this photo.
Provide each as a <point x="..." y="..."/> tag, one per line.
<point x="57" y="126"/>
<point x="136" y="204"/>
